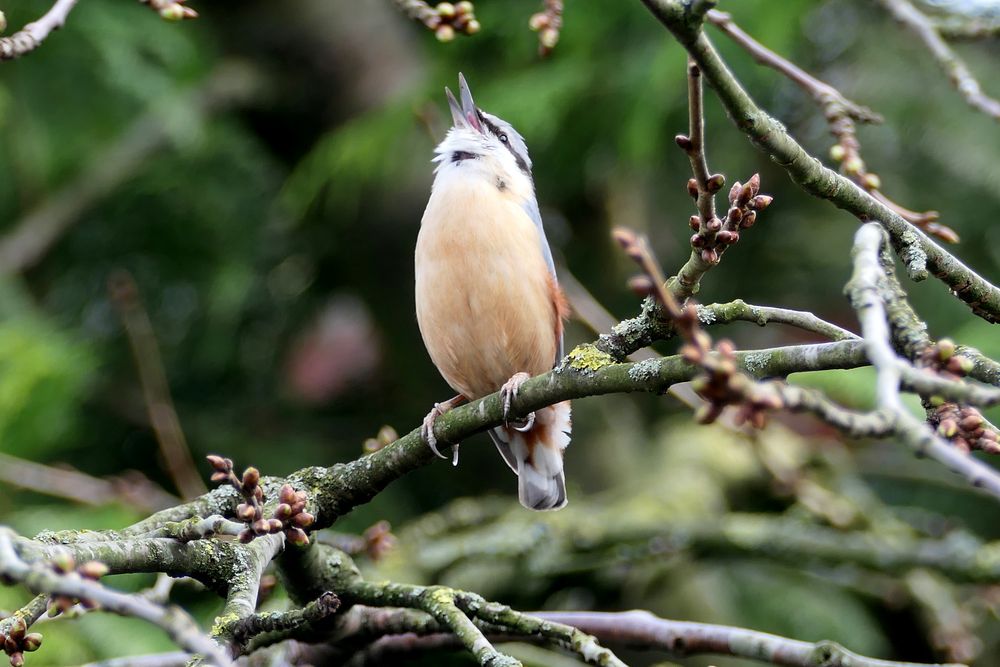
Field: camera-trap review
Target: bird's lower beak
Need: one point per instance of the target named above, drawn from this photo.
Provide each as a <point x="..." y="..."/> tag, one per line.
<point x="464" y="114"/>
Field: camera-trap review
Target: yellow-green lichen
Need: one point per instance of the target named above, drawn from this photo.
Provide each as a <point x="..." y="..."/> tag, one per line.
<point x="223" y="624"/>
<point x="587" y="358"/>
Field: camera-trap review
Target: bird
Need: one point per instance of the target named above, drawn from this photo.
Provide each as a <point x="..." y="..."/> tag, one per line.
<point x="488" y="304"/>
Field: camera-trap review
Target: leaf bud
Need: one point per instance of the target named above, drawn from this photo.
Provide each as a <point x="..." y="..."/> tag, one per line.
<point x="251" y="477"/>
<point x="444" y="33"/>
<point x="93" y="569"/>
<point x="715" y="183"/>
<point x="538" y="21"/>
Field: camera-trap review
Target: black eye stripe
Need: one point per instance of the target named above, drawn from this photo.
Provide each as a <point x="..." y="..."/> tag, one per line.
<point x="496" y="132"/>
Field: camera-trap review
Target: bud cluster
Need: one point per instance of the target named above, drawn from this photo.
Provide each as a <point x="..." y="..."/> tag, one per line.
<point x="65" y="565"/>
<point x="847" y="153"/>
<point x="19" y="641"/>
<point x="963" y="425"/>
<point x="712" y="237"/>
<point x="290" y="516"/>
<point x="171" y="10"/>
<point x="446" y="19"/>
<point x="547" y="23"/>
<point x="722" y="384"/>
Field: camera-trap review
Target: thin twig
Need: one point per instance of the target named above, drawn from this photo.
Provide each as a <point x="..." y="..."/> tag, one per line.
<point x="641" y="629"/>
<point x="958" y="73"/>
<point x="133" y="488"/>
<point x="920" y="254"/>
<point x="840" y="114"/>
<point x="173" y="620"/>
<point x="155" y="387"/>
<point x="31" y="36"/>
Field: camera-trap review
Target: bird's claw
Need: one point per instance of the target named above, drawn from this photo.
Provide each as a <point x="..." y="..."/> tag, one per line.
<point x="508" y="392"/>
<point x="427" y="430"/>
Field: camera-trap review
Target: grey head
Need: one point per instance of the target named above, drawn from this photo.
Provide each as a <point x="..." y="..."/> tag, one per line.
<point x="467" y="115"/>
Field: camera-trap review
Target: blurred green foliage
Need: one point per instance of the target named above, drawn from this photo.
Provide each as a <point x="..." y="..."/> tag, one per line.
<point x="272" y="245"/>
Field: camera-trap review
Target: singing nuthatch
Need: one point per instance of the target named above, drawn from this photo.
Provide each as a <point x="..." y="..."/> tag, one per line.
<point x="488" y="305"/>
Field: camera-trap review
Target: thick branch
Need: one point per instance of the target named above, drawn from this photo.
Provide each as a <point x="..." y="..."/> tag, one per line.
<point x="916" y="249"/>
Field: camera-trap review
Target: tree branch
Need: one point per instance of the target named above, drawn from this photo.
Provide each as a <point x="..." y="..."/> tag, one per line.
<point x="958" y="73"/>
<point x="918" y="252"/>
<point x="865" y="293"/>
<point x="173" y="620"/>
<point x="31" y="36"/>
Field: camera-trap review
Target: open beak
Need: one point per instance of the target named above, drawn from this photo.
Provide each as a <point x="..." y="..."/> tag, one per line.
<point x="464" y="114"/>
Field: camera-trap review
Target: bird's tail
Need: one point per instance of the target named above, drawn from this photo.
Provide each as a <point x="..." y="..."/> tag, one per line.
<point x="536" y="456"/>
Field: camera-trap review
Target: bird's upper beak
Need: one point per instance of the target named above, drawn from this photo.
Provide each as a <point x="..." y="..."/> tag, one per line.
<point x="464" y="114"/>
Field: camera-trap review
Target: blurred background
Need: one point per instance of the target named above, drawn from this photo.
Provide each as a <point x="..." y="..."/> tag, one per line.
<point x="222" y="213"/>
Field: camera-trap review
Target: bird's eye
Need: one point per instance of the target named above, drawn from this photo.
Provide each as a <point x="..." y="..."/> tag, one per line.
<point x="503" y="138"/>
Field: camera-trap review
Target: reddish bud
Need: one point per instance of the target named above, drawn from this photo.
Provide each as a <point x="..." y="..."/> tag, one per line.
<point x="715" y="183"/>
<point x="684" y="142"/>
<point x="219" y="463"/>
<point x="251" y="477"/>
<point x="32" y="642"/>
<point x="710" y="256"/>
<point x="760" y="202"/>
<point x="734" y="192"/>
<point x="624" y="237"/>
<point x="971" y="422"/>
<point x="303" y="519"/>
<point x="283" y="511"/>
<point x="298" y="537"/>
<point x="749" y="219"/>
<point x="692" y="188"/>
<point x="714" y="225"/>
<point x="275" y="526"/>
<point x="694" y="222"/>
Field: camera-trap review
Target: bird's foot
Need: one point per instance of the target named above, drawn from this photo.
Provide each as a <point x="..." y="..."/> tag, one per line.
<point x="508" y="392"/>
<point x="427" y="427"/>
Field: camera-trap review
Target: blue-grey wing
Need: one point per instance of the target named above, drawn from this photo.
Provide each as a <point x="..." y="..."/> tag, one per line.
<point x="531" y="208"/>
